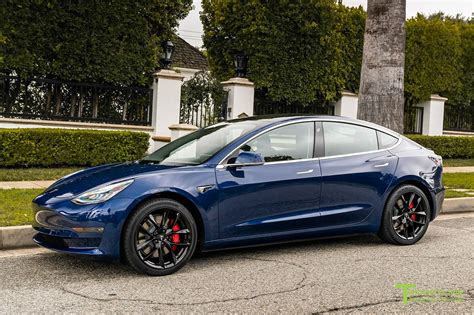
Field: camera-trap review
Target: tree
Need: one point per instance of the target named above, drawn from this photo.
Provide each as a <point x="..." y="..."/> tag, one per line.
<point x="381" y="92"/>
<point x="304" y="51"/>
<point x="433" y="58"/>
<point x="115" y="41"/>
<point x="202" y="97"/>
<point x="440" y="60"/>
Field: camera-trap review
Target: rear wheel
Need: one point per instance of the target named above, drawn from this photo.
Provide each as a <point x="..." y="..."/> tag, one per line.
<point x="160" y="237"/>
<point x="406" y="216"/>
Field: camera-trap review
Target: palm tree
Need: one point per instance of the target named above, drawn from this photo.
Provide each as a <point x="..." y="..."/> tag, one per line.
<point x="381" y="97"/>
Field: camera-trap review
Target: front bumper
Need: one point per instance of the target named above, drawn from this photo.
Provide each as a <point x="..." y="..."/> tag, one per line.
<point x="92" y="230"/>
<point x="68" y="245"/>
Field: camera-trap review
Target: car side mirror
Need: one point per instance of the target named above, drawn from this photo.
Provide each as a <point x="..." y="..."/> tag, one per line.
<point x="246" y="158"/>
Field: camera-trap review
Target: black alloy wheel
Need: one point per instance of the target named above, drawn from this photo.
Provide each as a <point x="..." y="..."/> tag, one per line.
<point x="406" y="216"/>
<point x="160" y="237"/>
<point x="409" y="216"/>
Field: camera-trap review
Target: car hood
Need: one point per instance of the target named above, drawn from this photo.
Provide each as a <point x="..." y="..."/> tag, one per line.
<point x="87" y="179"/>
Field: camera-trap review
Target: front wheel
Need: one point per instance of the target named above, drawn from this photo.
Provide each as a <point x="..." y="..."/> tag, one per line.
<point x="160" y="237"/>
<point x="406" y="216"/>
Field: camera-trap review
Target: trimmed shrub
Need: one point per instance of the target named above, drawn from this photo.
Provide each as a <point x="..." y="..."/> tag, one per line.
<point x="449" y="147"/>
<point x="69" y="147"/>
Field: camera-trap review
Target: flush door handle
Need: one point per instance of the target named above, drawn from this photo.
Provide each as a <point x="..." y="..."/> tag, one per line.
<point x="305" y="172"/>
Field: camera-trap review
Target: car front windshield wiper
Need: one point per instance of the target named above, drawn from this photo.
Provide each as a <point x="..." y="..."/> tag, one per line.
<point x="145" y="161"/>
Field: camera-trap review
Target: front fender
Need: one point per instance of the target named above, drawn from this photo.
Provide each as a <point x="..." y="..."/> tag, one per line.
<point x="205" y="204"/>
<point x="182" y="186"/>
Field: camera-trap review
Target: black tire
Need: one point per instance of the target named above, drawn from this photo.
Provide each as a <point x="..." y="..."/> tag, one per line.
<point x="402" y="224"/>
<point x="149" y="246"/>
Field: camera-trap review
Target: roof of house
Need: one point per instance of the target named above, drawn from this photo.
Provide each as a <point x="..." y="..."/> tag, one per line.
<point x="187" y="56"/>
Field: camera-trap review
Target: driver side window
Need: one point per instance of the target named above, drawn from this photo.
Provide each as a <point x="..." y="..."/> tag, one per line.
<point x="292" y="142"/>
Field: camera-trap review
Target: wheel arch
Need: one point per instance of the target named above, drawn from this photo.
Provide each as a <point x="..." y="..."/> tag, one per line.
<point x="176" y="197"/>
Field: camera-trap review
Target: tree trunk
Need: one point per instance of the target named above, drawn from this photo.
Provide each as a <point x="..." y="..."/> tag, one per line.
<point x="381" y="98"/>
<point x="95" y="103"/>
<point x="81" y="102"/>
<point x="73" y="101"/>
<point x="58" y="100"/>
<point x="49" y="93"/>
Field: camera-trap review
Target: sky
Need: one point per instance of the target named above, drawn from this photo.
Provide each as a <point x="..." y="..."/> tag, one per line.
<point x="190" y="29"/>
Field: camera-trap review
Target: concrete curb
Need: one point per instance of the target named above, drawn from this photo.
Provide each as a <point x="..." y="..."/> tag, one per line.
<point x="456" y="205"/>
<point x="21" y="236"/>
<point x="16" y="237"/>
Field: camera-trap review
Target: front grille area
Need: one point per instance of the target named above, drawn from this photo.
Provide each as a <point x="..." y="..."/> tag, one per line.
<point x="82" y="242"/>
<point x="65" y="243"/>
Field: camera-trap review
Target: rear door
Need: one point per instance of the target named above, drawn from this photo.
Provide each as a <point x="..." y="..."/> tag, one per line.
<point x="356" y="171"/>
<point x="280" y="195"/>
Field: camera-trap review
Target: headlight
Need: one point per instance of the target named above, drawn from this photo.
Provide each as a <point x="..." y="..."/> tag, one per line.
<point x="101" y="194"/>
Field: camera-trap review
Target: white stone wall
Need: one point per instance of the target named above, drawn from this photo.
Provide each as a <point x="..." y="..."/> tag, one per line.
<point x="187" y="73"/>
<point x="433" y="115"/>
<point x="347" y="105"/>
<point x="241" y="97"/>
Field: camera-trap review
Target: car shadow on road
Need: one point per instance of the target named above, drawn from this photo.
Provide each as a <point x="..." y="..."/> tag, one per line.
<point x="319" y="244"/>
<point x="59" y="264"/>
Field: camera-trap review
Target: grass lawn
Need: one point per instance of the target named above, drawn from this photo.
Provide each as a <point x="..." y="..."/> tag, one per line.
<point x="459" y="181"/>
<point x="456" y="194"/>
<point x="22" y="174"/>
<point x="15" y="206"/>
<point x="458" y="162"/>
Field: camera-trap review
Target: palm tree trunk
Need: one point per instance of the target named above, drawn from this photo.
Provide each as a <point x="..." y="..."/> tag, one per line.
<point x="381" y="98"/>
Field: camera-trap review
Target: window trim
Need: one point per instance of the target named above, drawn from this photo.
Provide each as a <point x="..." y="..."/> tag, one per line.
<point x="222" y="165"/>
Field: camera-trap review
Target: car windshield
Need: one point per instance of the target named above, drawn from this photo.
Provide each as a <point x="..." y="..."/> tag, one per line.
<point x="202" y="144"/>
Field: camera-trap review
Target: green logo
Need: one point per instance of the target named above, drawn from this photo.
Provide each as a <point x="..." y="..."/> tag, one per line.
<point x="411" y="294"/>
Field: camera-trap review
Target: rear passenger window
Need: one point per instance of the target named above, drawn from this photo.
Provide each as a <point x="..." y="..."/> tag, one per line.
<point x="342" y="138"/>
<point x="386" y="140"/>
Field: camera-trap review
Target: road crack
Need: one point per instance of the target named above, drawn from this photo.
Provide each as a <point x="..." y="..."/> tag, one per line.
<point x="358" y="306"/>
<point x="468" y="292"/>
<point x="298" y="286"/>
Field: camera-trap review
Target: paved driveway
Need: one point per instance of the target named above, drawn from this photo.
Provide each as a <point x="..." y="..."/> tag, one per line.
<point x="344" y="275"/>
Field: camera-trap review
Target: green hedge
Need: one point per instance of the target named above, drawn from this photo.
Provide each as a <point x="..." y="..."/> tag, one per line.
<point x="449" y="147"/>
<point x="69" y="147"/>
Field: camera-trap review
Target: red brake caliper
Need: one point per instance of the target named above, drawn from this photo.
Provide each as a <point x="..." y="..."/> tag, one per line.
<point x="175" y="237"/>
<point x="411" y="206"/>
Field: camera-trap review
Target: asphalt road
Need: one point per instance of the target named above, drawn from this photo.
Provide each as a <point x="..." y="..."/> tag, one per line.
<point x="354" y="274"/>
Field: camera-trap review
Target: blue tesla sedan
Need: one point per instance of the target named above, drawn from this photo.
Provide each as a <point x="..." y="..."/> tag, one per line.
<point x="245" y="182"/>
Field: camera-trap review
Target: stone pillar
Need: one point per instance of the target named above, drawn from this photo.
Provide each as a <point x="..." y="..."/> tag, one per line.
<point x="241" y="97"/>
<point x="347" y="105"/>
<point x="166" y="105"/>
<point x="433" y="115"/>
<point x="179" y="130"/>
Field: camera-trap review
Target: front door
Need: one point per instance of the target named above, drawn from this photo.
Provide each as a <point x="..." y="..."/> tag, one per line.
<point x="280" y="195"/>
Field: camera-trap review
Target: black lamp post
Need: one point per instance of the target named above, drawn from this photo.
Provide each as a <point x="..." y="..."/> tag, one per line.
<point x="240" y="64"/>
<point x="168" y="49"/>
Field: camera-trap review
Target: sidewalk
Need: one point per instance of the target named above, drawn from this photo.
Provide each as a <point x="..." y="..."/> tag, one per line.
<point x="27" y="184"/>
<point x="47" y="183"/>
<point x="459" y="169"/>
